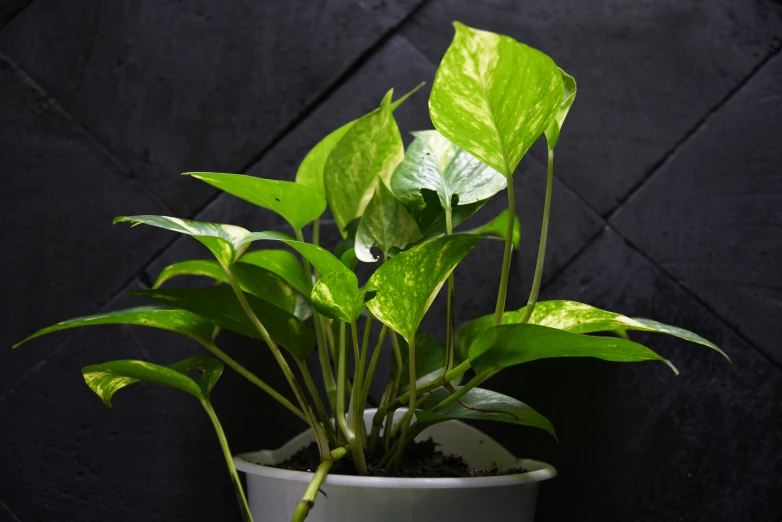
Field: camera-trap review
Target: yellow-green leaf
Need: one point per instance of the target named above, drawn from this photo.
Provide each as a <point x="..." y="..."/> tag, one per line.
<point x="553" y="130"/>
<point x="386" y="223"/>
<point x="282" y="263"/>
<point x="498" y="226"/>
<point x="336" y="295"/>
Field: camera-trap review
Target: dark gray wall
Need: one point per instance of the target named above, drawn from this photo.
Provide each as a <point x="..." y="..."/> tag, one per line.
<point x="668" y="205"/>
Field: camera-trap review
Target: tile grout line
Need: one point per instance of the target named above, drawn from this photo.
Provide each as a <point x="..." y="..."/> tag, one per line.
<point x="700" y="124"/>
<point x="127" y="174"/>
<point x="5" y="506"/>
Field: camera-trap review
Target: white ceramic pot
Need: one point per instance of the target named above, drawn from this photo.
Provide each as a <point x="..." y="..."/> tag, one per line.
<point x="274" y="493"/>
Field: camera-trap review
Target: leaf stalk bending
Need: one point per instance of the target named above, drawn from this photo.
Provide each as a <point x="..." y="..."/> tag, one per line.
<point x="506" y="256"/>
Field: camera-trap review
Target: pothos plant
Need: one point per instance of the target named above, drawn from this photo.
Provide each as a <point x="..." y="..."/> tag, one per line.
<point x="492" y="98"/>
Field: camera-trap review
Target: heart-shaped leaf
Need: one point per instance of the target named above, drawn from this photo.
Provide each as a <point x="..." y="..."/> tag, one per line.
<point x="108" y="378"/>
<point x="406" y="285"/>
<point x="483" y="405"/>
<point x="553" y="130"/>
<point x="498" y="226"/>
<point x="251" y="278"/>
<point x="282" y="263"/>
<point x="370" y="149"/>
<point x="171" y="319"/>
<point x="336" y="295"/>
<point x="507" y="345"/>
<point x="434" y="163"/>
<point x="385" y="223"/>
<point x="493" y="96"/>
<point x="296" y="203"/>
<point x="219" y="305"/>
<point x="310" y="171"/>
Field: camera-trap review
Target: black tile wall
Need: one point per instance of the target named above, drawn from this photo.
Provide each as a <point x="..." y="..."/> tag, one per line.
<point x="667" y="205"/>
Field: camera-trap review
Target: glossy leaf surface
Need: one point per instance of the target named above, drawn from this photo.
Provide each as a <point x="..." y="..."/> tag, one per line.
<point x="407" y="284"/>
<point x="336" y="295"/>
<point x="324" y="261"/>
<point x="508" y="345"/>
<point x="434" y="163"/>
<point x="108" y="378"/>
<point x="489" y="405"/>
<point x="386" y="223"/>
<point x="171" y="319"/>
<point x="553" y="130"/>
<point x="370" y="150"/>
<point x="296" y="203"/>
<point x="280" y="262"/>
<point x="494" y="96"/>
<point x="498" y="226"/>
<point x="220" y="305"/>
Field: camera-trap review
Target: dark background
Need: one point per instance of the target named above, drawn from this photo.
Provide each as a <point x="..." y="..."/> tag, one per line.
<point x="668" y="205"/>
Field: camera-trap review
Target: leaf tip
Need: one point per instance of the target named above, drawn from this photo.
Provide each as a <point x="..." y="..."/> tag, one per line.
<point x="671" y="366"/>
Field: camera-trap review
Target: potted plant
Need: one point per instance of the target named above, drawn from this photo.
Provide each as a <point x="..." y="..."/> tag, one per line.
<point x="396" y="210"/>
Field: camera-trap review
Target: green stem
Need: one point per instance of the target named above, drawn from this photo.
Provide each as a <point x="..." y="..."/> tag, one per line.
<point x="313" y="390"/>
<point x="475" y="381"/>
<point x="406" y="422"/>
<point x="243" y="506"/>
<point x="356" y="408"/>
<point x="453" y="374"/>
<point x="310" y="494"/>
<point x="449" y="340"/>
<point x="241" y="370"/>
<point x="394" y="390"/>
<point x="533" y="295"/>
<point x="373" y="364"/>
<point x="506" y="256"/>
<point x="358" y="457"/>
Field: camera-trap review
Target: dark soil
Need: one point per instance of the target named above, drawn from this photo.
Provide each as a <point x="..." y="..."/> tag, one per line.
<point x="421" y="460"/>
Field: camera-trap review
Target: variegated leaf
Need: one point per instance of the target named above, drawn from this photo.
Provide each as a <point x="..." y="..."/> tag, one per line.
<point x="386" y="223"/>
<point x="553" y="130"/>
<point x="336" y="295"/>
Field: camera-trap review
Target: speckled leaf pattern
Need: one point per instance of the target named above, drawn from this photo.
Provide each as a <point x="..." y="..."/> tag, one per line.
<point x="370" y="150"/>
<point x="253" y="279"/>
<point x="336" y="295"/>
<point x="495" y="406"/>
<point x="498" y="226"/>
<point x="406" y="285"/>
<point x="108" y="378"/>
<point x="553" y="130"/>
<point x="219" y="305"/>
<point x="171" y="319"/>
<point x="310" y="171"/>
<point x="494" y="96"/>
<point x="580" y="318"/>
<point x="507" y="345"/>
<point x="280" y="262"/>
<point x="386" y="223"/>
<point x="296" y="203"/>
<point x="434" y="163"/>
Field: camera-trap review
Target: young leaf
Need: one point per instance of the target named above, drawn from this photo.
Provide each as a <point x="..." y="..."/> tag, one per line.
<point x="498" y="225"/>
<point x="507" y="345"/>
<point x="370" y="149"/>
<point x="494" y="96"/>
<point x="296" y="203"/>
<point x="310" y="171"/>
<point x="483" y="405"/>
<point x="385" y="223"/>
<point x="253" y="279"/>
<point x="434" y="163"/>
<point x="282" y="263"/>
<point x="553" y="130"/>
<point x="219" y="305"/>
<point x="171" y="319"/>
<point x="336" y="295"/>
<point x="108" y="378"/>
<point x="406" y="285"/>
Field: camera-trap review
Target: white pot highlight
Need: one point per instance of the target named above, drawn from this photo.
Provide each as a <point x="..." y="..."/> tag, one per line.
<point x="274" y="493"/>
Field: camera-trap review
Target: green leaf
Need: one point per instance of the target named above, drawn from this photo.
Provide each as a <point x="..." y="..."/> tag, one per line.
<point x="108" y="378"/>
<point x="251" y="278"/>
<point x="310" y="171"/>
<point x="553" y="130"/>
<point x="494" y="96"/>
<point x="226" y="242"/>
<point x="681" y="333"/>
<point x="296" y="203"/>
<point x="488" y="405"/>
<point x="324" y="261"/>
<point x="507" y="345"/>
<point x="432" y="162"/>
<point x="385" y="223"/>
<point x="219" y="305"/>
<point x="370" y="149"/>
<point x="431" y="218"/>
<point x="336" y="295"/>
<point x="406" y="285"/>
<point x="282" y="263"/>
<point x="173" y="320"/>
<point x="429" y="361"/>
<point x="498" y="226"/>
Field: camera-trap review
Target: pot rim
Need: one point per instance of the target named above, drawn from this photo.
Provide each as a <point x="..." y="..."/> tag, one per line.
<point x="539" y="471"/>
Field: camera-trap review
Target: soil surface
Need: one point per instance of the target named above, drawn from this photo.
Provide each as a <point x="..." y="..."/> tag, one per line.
<point x="421" y="460"/>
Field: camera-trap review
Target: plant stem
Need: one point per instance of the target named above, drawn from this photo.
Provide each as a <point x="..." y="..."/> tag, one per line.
<point x="350" y="436"/>
<point x="320" y="434"/>
<point x="373" y="364"/>
<point x="449" y="336"/>
<point x="394" y="389"/>
<point x="406" y="422"/>
<point x="453" y="374"/>
<point x="324" y="416"/>
<point x="241" y="370"/>
<point x="475" y="381"/>
<point x="506" y="256"/>
<point x="243" y="506"/>
<point x="533" y="295"/>
<point x="310" y="494"/>
<point x="355" y="402"/>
